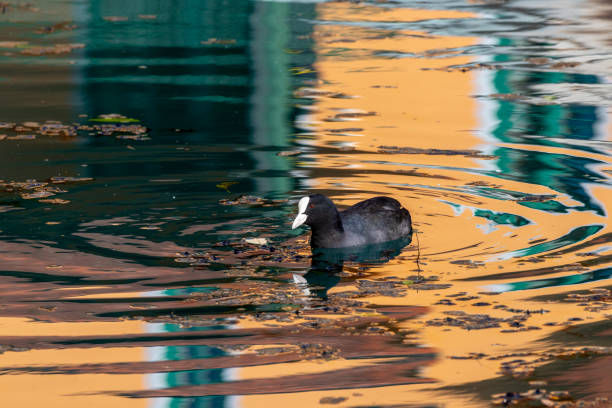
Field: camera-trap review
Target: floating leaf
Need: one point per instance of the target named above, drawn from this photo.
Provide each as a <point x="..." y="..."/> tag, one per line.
<point x="256" y="241"/>
<point x="60" y="180"/>
<point x="113" y="118"/>
<point x="225" y="185"/>
<point x="289" y="153"/>
<point x="54" y="201"/>
<point x="36" y="194"/>
<point x="300" y="70"/>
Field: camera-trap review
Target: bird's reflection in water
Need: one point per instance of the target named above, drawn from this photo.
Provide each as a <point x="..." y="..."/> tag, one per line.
<point x="327" y="263"/>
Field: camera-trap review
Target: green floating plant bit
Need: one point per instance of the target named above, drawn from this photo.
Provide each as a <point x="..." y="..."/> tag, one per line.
<point x="408" y="282"/>
<point x="114" y="120"/>
<point x="300" y="70"/>
<point x="225" y="185"/>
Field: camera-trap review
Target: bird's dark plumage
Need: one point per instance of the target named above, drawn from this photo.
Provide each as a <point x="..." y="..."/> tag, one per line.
<point x="376" y="220"/>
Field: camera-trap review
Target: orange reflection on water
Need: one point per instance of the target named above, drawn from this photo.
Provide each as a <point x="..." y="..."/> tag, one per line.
<point x="394" y="93"/>
<point x="399" y="95"/>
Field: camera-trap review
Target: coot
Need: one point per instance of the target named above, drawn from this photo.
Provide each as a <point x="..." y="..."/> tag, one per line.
<point x="376" y="220"/>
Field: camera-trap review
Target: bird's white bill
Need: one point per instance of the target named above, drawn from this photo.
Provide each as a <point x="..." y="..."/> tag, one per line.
<point x="303" y="204"/>
<point x="301" y="217"/>
<point x="299" y="220"/>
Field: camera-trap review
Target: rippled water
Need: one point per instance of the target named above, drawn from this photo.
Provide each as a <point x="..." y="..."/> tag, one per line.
<point x="128" y="273"/>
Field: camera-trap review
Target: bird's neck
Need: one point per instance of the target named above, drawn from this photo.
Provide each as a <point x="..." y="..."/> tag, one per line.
<point x="331" y="231"/>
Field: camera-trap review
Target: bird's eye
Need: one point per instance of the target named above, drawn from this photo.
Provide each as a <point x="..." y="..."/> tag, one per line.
<point x="311" y="206"/>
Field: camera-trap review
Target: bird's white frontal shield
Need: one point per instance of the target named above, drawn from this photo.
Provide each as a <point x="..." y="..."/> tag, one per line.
<point x="301" y="217"/>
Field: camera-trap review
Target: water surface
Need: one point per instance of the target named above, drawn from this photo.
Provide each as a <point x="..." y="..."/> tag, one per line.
<point x="145" y="144"/>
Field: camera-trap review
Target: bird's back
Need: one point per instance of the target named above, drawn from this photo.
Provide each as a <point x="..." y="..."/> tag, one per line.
<point x="375" y="220"/>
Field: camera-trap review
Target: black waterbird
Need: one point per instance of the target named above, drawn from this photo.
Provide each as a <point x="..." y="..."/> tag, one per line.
<point x="369" y="222"/>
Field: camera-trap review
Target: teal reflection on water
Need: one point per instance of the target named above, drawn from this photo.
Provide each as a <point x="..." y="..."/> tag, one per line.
<point x="502" y="218"/>
<point x="575" y="279"/>
<point x="523" y="122"/>
<point x="576" y="235"/>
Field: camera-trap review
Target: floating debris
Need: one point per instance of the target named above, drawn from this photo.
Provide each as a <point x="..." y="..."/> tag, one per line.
<point x="115" y="125"/>
<point x="36" y="194"/>
<point x="218" y="41"/>
<point x="507" y="97"/>
<point x="430" y="286"/>
<point x="538" y="60"/>
<point x="21" y="137"/>
<point x="56" y="49"/>
<point x="225" y="185"/>
<point x="61" y="180"/>
<point x="332" y="400"/>
<point x="343" y="115"/>
<point x="470" y="356"/>
<point x="468" y="262"/>
<point x="470" y="321"/>
<point x="251" y="200"/>
<point x="58" y="129"/>
<point x="13" y="44"/>
<point x="466" y="67"/>
<point x="238" y="253"/>
<point x="54" y="201"/>
<point x="6" y="7"/>
<point x="539" y="397"/>
<point x="32" y="189"/>
<point x="301" y="70"/>
<point x="317" y="93"/>
<point x="115" y="19"/>
<point x="599" y="299"/>
<point x="477" y="154"/>
<point x="344" y="130"/>
<point x="256" y="241"/>
<point x="536" y="198"/>
<point x="65" y="26"/>
<point x="381" y="288"/>
<point x="150" y="228"/>
<point x="7" y="208"/>
<point x="565" y="64"/>
<point x="289" y="153"/>
<point x="113" y="118"/>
